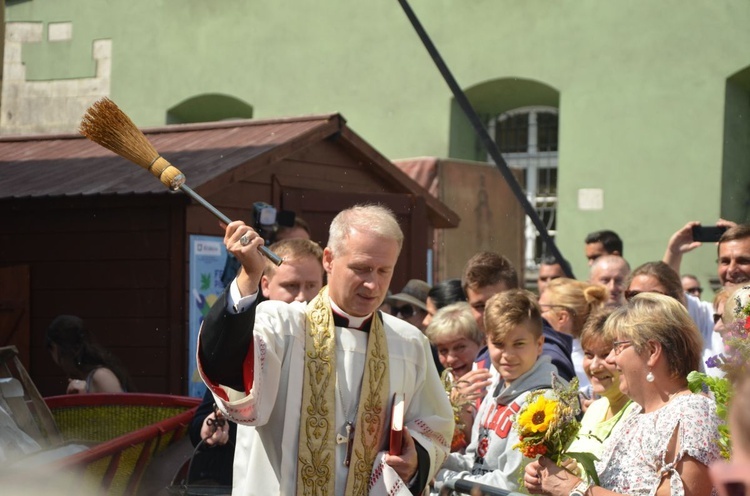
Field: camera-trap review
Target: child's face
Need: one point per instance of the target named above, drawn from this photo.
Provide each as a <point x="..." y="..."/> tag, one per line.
<point x="516" y="353"/>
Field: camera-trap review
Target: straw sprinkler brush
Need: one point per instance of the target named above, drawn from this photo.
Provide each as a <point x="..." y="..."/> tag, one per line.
<point x="104" y="123"/>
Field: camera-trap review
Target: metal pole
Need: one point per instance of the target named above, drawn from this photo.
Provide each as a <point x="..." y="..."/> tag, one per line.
<point x="226" y="220"/>
<point x="488" y="142"/>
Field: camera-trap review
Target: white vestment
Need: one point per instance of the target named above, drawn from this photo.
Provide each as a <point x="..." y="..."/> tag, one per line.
<point x="274" y="401"/>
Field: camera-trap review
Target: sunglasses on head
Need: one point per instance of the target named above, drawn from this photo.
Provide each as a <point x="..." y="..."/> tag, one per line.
<point x="630" y="294"/>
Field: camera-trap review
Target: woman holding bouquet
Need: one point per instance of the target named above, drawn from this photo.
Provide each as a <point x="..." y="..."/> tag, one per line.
<point x="666" y="447"/>
<point x="612" y="405"/>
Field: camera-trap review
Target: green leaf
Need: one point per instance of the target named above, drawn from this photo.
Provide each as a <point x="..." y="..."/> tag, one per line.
<point x="696" y="380"/>
<point x="205" y="282"/>
<point x="586" y="460"/>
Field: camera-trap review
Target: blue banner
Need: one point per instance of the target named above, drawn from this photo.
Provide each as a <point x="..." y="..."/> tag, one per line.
<point x="207" y="259"/>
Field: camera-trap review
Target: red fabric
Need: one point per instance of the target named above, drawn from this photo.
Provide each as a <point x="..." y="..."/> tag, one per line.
<point x="248" y="370"/>
<point x="500" y="419"/>
<point x="213" y="386"/>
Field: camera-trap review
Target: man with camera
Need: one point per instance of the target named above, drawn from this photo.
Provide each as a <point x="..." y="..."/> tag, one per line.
<point x="733" y="263"/>
<point x="733" y="267"/>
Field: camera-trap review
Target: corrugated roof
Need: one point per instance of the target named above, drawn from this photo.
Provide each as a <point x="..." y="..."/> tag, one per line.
<point x="67" y="165"/>
<point x="208" y="154"/>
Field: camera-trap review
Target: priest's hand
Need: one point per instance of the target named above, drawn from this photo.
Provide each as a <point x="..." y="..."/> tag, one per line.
<point x="243" y="242"/>
<point x="406" y="463"/>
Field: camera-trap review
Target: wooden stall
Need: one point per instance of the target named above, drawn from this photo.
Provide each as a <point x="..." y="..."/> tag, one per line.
<point x="84" y="232"/>
<point x="492" y="219"/>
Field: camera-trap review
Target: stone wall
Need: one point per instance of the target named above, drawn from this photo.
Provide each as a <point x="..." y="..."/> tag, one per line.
<point x="32" y="107"/>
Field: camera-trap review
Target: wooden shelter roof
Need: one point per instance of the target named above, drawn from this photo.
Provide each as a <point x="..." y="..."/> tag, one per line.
<point x="210" y="155"/>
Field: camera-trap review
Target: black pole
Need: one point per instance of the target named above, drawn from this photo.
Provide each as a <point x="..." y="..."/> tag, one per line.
<point x="484" y="136"/>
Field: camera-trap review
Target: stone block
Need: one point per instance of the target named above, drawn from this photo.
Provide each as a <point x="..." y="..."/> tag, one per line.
<point x="59" y="31"/>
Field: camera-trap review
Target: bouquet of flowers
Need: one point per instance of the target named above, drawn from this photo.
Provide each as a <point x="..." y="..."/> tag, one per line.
<point x="548" y="424"/>
<point x="733" y="362"/>
<point x="459" y="404"/>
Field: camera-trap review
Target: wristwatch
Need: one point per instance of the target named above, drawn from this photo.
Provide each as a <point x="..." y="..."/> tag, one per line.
<point x="580" y="489"/>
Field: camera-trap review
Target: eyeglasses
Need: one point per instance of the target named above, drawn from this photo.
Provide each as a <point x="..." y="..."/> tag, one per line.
<point x="406" y="311"/>
<point x="618" y="346"/>
<point x="696" y="291"/>
<point x="717" y="318"/>
<point x="630" y="294"/>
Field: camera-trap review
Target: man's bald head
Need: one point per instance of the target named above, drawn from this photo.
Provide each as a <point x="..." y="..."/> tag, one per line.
<point x="611" y="271"/>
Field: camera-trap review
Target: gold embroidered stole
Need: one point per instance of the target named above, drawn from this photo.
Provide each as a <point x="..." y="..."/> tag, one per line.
<point x="316" y="470"/>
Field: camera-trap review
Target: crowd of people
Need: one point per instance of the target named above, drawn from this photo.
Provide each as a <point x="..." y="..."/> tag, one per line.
<point x="313" y="381"/>
<point x="302" y="362"/>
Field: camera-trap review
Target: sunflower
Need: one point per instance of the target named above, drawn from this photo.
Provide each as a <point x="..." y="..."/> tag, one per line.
<point x="537" y="416"/>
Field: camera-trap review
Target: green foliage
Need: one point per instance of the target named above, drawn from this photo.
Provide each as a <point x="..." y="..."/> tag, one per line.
<point x="586" y="460"/>
<point x="721" y="390"/>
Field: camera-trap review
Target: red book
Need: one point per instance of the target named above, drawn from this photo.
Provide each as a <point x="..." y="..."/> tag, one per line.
<point x="397" y="423"/>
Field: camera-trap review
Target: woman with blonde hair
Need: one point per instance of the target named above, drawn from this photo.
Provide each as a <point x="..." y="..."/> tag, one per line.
<point x="666" y="446"/>
<point x="658" y="277"/>
<point x="566" y="305"/>
<point x="454" y="333"/>
<point x="457" y="337"/>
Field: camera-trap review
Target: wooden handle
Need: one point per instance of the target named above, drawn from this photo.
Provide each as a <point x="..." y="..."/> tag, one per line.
<point x="168" y="174"/>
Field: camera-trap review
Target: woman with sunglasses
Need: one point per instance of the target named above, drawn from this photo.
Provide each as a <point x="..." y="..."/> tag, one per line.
<point x="665" y="448"/>
<point x="658" y="277"/>
<point x="566" y="304"/>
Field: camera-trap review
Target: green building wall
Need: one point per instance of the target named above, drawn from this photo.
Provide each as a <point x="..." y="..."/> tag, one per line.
<point x="652" y="96"/>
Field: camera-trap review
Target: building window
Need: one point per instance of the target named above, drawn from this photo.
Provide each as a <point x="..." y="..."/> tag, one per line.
<point x="527" y="138"/>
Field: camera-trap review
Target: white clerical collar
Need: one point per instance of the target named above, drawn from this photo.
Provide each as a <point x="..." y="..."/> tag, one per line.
<point x="354" y="322"/>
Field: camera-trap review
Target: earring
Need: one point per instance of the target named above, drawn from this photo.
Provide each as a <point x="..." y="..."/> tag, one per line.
<point x="650" y="376"/>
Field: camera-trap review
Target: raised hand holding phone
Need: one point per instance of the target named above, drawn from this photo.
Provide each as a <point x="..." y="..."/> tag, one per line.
<point x="708" y="234"/>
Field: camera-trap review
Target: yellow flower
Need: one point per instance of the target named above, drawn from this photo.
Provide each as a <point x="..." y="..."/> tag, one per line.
<point x="537" y="416"/>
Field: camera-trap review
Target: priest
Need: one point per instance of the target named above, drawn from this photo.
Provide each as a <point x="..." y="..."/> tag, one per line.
<point x="317" y="380"/>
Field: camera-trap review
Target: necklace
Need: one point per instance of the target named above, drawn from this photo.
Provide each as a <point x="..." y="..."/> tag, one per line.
<point x="348" y="427"/>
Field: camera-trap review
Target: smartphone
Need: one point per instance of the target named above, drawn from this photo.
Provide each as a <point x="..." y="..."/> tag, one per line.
<point x="707" y="233"/>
